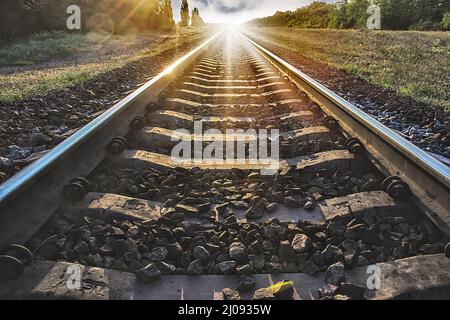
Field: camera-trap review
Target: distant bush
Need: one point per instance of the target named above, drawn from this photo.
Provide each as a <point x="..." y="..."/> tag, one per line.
<point x="445" y="23"/>
<point x="43" y="46"/>
<point x="425" y="25"/>
<point x="196" y="20"/>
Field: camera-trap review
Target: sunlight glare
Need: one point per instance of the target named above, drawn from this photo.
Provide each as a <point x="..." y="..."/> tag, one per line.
<point x="232" y="27"/>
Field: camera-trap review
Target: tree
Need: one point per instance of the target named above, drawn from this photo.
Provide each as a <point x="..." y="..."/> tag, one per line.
<point x="52" y="15"/>
<point x="446" y="22"/>
<point x="395" y="14"/>
<point x="196" y="20"/>
<point x="161" y="17"/>
<point x="167" y="14"/>
<point x="316" y="15"/>
<point x="112" y="16"/>
<point x="19" y="17"/>
<point x="184" y="13"/>
<point x="412" y="14"/>
<point x="22" y="17"/>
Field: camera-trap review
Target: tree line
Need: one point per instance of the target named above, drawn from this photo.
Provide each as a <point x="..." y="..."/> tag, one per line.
<point x="352" y="14"/>
<point x="22" y="17"/>
<point x="195" y="18"/>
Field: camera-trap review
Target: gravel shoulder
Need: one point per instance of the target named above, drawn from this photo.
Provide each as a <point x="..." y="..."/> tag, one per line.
<point x="32" y="126"/>
<point x="412" y="63"/>
<point x="61" y="61"/>
<point x="97" y="48"/>
<point x="425" y="125"/>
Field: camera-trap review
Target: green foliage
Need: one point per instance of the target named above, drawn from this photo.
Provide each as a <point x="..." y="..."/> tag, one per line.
<point x="316" y="15"/>
<point x="196" y="20"/>
<point x="352" y="14"/>
<point x="17" y="17"/>
<point x="44" y="46"/>
<point x="129" y="16"/>
<point x="161" y="16"/>
<point x="184" y="13"/>
<point x="412" y="63"/>
<point x="445" y="23"/>
<point x="23" y="17"/>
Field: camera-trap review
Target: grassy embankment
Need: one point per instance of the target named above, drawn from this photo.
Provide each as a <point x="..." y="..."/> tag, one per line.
<point x="56" y="60"/>
<point x="415" y="64"/>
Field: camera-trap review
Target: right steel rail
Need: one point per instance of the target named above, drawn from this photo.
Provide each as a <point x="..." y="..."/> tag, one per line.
<point x="428" y="178"/>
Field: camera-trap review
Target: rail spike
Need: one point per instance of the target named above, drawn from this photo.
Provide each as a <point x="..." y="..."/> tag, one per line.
<point x="76" y="189"/>
<point x="13" y="260"/>
<point x="355" y="146"/>
<point x="163" y="95"/>
<point x="138" y="123"/>
<point x="151" y="107"/>
<point x="330" y="122"/>
<point x="117" y="145"/>
<point x="315" y="108"/>
<point x="396" y="188"/>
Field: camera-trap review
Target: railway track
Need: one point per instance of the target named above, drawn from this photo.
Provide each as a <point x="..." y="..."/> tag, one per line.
<point x="113" y="203"/>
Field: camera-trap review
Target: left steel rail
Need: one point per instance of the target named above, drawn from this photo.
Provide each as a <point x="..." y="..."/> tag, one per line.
<point x="31" y="197"/>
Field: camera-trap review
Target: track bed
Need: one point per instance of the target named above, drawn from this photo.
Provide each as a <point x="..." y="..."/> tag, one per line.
<point x="148" y="227"/>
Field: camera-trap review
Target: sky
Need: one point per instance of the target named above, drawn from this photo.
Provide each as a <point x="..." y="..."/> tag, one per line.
<point x="238" y="11"/>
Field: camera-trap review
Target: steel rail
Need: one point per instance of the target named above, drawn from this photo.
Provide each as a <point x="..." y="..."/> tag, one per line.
<point x="31" y="196"/>
<point x="428" y="178"/>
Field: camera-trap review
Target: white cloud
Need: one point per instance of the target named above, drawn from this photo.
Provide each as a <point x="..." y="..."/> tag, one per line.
<point x="239" y="11"/>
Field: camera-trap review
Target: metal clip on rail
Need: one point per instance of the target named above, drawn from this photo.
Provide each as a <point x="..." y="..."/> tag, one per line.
<point x="355" y="146"/>
<point x="151" y="107"/>
<point x="138" y="123"/>
<point x="173" y="84"/>
<point x="331" y="123"/>
<point x="13" y="260"/>
<point x="117" y="145"/>
<point x="396" y="188"/>
<point x="76" y="189"/>
<point x="315" y="108"/>
<point x="163" y="96"/>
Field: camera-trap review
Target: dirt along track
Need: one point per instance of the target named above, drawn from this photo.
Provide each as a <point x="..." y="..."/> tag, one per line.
<point x="152" y="228"/>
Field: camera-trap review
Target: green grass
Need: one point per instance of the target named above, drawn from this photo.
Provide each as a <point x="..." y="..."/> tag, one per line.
<point x="44" y="46"/>
<point x="415" y="64"/>
<point x="24" y="84"/>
